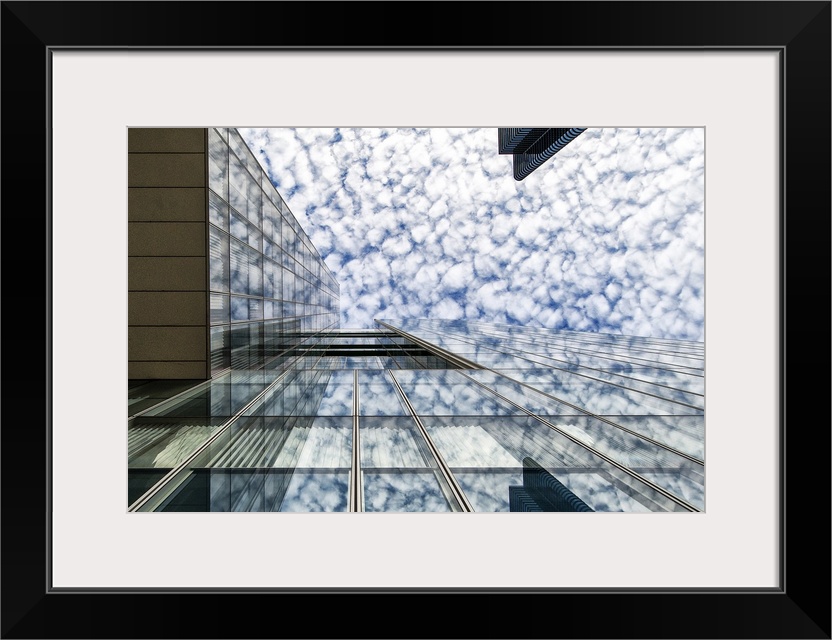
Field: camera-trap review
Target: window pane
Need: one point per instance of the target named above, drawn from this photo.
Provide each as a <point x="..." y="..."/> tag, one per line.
<point x="377" y="395"/>
<point x="217" y="164"/>
<point x="239" y="228"/>
<point x="219" y="309"/>
<point x="220" y="349"/>
<point x="253" y="196"/>
<point x="218" y="259"/>
<point x="239" y="308"/>
<point x="255" y="309"/>
<point x="217" y="211"/>
<point x="237" y="187"/>
<point x="239" y="267"/>
<point x="255" y="272"/>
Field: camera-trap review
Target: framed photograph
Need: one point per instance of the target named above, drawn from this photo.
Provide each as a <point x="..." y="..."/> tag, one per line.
<point x="386" y="340"/>
<point x="749" y="558"/>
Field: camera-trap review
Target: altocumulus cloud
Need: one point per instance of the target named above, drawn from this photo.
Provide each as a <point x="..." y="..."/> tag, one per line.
<point x="608" y="235"/>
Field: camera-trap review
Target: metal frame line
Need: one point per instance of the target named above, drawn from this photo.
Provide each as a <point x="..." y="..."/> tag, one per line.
<point x="356" y="488"/>
<point x="444" y="469"/>
<point x="152" y="494"/>
<point x="664" y="492"/>
<point x="516" y="351"/>
<point x="151" y="498"/>
<point x="657" y="443"/>
<point x="463" y="363"/>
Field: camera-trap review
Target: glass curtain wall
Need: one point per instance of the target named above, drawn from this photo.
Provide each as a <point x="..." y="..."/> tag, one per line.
<point x="543" y="421"/>
<point x="637" y="403"/>
<point x="268" y="284"/>
<point x="271" y="296"/>
<point x="415" y="416"/>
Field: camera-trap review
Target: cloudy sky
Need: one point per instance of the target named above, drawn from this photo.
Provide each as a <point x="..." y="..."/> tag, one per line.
<point x="608" y="235"/>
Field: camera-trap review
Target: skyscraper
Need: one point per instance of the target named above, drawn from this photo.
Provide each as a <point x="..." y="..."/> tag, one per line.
<point x="246" y="395"/>
<point x="220" y="272"/>
<point x="531" y="147"/>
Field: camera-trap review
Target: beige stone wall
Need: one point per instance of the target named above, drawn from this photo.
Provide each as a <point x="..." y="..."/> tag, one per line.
<point x="167" y="261"/>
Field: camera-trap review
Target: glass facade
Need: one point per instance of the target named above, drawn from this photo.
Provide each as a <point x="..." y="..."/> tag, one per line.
<point x="300" y="415"/>
<point x="267" y="283"/>
<point x="433" y="416"/>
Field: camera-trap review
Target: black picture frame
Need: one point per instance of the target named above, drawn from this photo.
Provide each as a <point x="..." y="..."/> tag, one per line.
<point x="800" y="608"/>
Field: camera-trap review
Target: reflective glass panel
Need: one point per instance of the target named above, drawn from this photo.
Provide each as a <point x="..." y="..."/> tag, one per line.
<point x="217" y="164"/>
<point x="217" y="211"/>
<point x="378" y="396"/>
<point x="218" y="259"/>
<point x="219" y="308"/>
